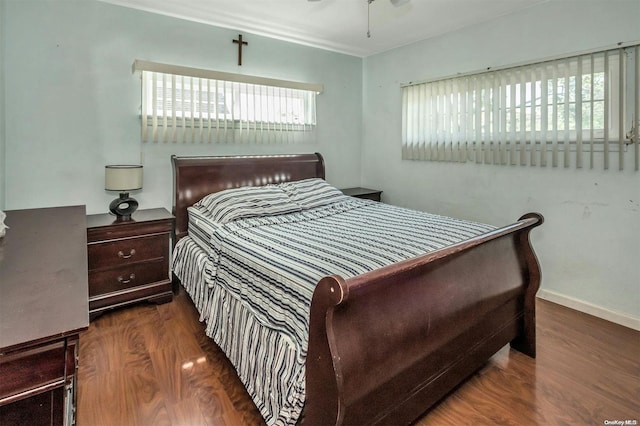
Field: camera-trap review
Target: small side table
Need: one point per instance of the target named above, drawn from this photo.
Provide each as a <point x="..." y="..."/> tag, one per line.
<point x="129" y="260"/>
<point x="366" y="193"/>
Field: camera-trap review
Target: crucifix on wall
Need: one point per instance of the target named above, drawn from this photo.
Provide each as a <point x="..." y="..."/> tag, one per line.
<point x="239" y="42"/>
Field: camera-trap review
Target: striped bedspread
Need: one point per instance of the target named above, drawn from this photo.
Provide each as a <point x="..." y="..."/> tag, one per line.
<point x="252" y="281"/>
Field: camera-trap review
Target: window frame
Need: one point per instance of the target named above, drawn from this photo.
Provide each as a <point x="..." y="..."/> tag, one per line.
<point x="257" y="109"/>
<point x="478" y="116"/>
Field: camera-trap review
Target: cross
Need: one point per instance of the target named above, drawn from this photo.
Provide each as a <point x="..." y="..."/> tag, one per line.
<point x="239" y="42"/>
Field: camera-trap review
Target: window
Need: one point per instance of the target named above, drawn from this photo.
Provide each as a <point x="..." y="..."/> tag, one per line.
<point x="182" y="104"/>
<point x="563" y="111"/>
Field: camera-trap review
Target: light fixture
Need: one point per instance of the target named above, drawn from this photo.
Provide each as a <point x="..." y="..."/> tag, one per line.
<point x="123" y="178"/>
<point x="369" y="17"/>
<point x="395" y="3"/>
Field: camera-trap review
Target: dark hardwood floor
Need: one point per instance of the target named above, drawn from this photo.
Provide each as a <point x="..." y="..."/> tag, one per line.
<point x="153" y="365"/>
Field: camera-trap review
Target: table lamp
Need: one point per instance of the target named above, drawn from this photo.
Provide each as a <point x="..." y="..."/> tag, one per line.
<point x="123" y="178"/>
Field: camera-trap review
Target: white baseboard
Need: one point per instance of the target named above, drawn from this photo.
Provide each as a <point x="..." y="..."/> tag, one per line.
<point x="588" y="308"/>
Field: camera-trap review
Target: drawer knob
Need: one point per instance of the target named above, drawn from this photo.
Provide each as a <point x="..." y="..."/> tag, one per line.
<point x="122" y="280"/>
<point x="121" y="255"/>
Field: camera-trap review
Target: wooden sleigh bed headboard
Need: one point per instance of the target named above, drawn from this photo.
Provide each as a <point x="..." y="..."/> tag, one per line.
<point x="195" y="177"/>
<point x="431" y="321"/>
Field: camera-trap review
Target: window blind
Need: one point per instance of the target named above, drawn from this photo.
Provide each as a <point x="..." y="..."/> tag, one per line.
<point x="564" y="112"/>
<point x="181" y="104"/>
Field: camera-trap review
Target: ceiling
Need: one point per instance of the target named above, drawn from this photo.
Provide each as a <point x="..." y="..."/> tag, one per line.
<point x="337" y="25"/>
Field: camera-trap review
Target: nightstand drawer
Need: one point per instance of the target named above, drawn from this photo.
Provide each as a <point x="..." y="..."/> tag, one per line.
<point x="127" y="251"/>
<point x="128" y="276"/>
<point x="375" y="196"/>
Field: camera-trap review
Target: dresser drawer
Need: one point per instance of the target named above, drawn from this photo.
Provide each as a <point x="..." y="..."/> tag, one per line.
<point x="126" y="251"/>
<point x="34" y="369"/>
<point x="128" y="276"/>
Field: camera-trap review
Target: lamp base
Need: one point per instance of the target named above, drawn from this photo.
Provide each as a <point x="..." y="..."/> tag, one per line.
<point x="124" y="206"/>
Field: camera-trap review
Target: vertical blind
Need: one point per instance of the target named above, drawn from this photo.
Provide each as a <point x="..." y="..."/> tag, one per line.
<point x="577" y="111"/>
<point x="181" y="104"/>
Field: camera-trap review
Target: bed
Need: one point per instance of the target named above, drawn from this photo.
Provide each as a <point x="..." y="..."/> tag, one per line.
<point x="384" y="345"/>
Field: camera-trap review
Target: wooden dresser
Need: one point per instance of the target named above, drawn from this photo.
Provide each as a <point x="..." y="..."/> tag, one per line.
<point x="43" y="309"/>
<point x="129" y="260"/>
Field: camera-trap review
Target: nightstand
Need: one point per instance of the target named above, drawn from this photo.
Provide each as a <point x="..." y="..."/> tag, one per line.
<point x="128" y="260"/>
<point x="369" y="194"/>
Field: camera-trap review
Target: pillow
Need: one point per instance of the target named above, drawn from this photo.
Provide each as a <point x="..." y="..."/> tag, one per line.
<point x="248" y="201"/>
<point x="201" y="227"/>
<point x="315" y="192"/>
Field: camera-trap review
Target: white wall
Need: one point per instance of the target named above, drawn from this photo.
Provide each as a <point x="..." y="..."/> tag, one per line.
<point x="75" y="103"/>
<point x="589" y="244"/>
<point x="71" y="105"/>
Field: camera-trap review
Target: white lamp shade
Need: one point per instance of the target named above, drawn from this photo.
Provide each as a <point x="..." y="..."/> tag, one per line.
<point x="122" y="177"/>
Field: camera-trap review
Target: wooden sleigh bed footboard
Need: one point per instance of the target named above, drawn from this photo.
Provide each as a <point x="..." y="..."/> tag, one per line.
<point x="387" y="345"/>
